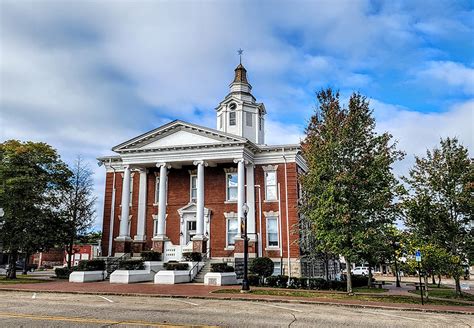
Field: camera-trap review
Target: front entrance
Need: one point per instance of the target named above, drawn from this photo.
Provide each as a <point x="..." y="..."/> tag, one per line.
<point x="190" y="228"/>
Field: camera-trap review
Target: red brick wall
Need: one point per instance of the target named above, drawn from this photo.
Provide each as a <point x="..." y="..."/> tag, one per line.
<point x="215" y="193"/>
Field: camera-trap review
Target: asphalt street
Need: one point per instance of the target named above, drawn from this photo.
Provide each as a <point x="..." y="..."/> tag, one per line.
<point x="21" y="309"/>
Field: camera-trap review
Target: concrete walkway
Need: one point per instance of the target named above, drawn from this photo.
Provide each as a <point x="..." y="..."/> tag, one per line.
<point x="201" y="291"/>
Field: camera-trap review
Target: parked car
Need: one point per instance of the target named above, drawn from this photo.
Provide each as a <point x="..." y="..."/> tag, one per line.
<point x="19" y="266"/>
<point x="360" y="271"/>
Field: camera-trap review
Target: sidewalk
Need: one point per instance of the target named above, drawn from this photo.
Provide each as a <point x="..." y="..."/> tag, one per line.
<point x="201" y="291"/>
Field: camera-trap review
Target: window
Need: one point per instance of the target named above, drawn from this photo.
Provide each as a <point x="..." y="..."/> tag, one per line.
<point x="271" y="192"/>
<point x="232" y="118"/>
<point x="231" y="184"/>
<point x="157" y="190"/>
<point x="193" y="183"/>
<point x="248" y="118"/>
<point x="220" y="121"/>
<point x="260" y="122"/>
<point x="232" y="231"/>
<point x="272" y="231"/>
<point x="276" y="269"/>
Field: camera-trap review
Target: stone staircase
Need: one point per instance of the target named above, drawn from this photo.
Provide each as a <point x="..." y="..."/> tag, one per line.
<point x="112" y="263"/>
<point x="200" y="276"/>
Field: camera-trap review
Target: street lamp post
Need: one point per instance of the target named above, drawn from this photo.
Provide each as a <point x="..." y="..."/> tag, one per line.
<point x="245" y="281"/>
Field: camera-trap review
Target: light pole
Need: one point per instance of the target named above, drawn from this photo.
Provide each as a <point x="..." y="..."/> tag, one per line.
<point x="245" y="281"/>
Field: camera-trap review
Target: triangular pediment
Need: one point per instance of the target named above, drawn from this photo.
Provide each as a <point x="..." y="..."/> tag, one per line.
<point x="178" y="134"/>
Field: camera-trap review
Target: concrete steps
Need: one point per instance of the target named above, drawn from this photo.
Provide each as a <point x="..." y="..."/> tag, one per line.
<point x="200" y="276"/>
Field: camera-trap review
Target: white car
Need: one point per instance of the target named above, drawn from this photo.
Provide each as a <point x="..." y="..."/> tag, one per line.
<point x="360" y="271"/>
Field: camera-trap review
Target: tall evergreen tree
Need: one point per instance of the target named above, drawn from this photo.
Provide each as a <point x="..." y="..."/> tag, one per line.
<point x="439" y="205"/>
<point x="32" y="178"/>
<point x="349" y="186"/>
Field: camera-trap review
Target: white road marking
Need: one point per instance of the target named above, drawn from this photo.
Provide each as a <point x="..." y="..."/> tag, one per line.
<point x="392" y="315"/>
<point x="105" y="298"/>
<point x="190" y="303"/>
<point x="280" y="307"/>
<point x="34" y="296"/>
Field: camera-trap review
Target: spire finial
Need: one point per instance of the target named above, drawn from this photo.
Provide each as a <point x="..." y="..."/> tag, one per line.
<point x="240" y="51"/>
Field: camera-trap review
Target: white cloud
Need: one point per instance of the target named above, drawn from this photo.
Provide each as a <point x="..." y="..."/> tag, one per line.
<point x="448" y="74"/>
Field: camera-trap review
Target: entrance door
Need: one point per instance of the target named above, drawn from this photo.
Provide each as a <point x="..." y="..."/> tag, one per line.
<point x="190" y="229"/>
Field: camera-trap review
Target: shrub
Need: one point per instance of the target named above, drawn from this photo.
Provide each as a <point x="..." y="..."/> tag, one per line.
<point x="91" y="265"/>
<point x="174" y="266"/>
<point x="262" y="266"/>
<point x="131" y="265"/>
<point x="271" y="281"/>
<point x="282" y="281"/>
<point x="221" y="267"/>
<point x="192" y="256"/>
<point x="254" y="279"/>
<point x="150" y="256"/>
<point x="63" y="273"/>
<point x="318" y="284"/>
<point x="337" y="285"/>
<point x="298" y="282"/>
<point x="360" y="281"/>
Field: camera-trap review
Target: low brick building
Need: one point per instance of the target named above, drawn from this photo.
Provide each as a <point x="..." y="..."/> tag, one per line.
<point x="184" y="187"/>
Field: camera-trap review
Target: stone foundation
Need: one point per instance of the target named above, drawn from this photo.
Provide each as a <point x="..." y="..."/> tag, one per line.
<point x="200" y="246"/>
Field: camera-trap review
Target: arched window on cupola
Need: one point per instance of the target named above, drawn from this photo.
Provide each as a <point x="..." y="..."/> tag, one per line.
<point x="232" y="114"/>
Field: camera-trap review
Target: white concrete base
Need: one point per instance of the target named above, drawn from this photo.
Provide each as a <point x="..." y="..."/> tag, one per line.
<point x="171" y="277"/>
<point x="86" y="276"/>
<point x="220" y="278"/>
<point x="131" y="276"/>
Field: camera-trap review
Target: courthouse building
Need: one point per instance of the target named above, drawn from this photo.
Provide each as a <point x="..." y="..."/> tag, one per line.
<point x="183" y="187"/>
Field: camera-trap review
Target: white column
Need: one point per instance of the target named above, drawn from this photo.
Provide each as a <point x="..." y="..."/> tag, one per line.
<point x="124" y="216"/>
<point x="200" y="200"/>
<point x="249" y="168"/>
<point x="240" y="190"/>
<point x="141" y="206"/>
<point x="162" y="199"/>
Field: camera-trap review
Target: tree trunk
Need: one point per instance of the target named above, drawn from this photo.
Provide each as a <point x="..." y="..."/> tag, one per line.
<point x="369" y="282"/>
<point x="426" y="286"/>
<point x="458" y="285"/>
<point x="433" y="281"/>
<point x="349" y="277"/>
<point x="25" y="263"/>
<point x="70" y="250"/>
<point x="11" y="273"/>
<point x="439" y="281"/>
<point x="326" y="266"/>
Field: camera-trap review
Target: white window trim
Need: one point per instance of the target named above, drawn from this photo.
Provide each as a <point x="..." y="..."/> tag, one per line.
<point x="247" y="116"/>
<point x="230" y="216"/>
<point x="270" y="168"/>
<point x="157" y="191"/>
<point x="131" y="189"/>
<point x="272" y="214"/>
<point x="191" y="187"/>
<point x="227" y="200"/>
<point x="232" y="112"/>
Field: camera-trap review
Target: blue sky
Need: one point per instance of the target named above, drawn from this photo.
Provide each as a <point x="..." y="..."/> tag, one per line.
<point x="85" y="76"/>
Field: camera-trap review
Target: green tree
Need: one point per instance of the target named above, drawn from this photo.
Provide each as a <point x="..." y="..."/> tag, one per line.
<point x="78" y="203"/>
<point x="32" y="178"/>
<point x="349" y="186"/>
<point x="439" y="205"/>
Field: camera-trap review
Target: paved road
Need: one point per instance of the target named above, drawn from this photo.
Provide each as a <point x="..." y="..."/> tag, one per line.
<point x="69" y="310"/>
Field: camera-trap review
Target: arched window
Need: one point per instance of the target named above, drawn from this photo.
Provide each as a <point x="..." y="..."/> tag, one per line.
<point x="232" y="114"/>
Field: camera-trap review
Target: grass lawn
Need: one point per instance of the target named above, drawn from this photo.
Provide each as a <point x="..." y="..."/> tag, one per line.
<point x="21" y="279"/>
<point x="341" y="296"/>
<point x="369" y="290"/>
<point x="446" y="293"/>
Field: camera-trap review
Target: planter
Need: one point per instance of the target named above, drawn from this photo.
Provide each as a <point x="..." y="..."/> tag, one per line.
<point x="87" y="276"/>
<point x="131" y="276"/>
<point x="220" y="278"/>
<point x="168" y="277"/>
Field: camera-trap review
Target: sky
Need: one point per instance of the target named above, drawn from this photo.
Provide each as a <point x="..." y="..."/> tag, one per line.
<point x="85" y="76"/>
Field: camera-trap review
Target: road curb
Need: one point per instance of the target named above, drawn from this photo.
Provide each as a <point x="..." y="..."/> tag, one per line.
<point x="230" y="298"/>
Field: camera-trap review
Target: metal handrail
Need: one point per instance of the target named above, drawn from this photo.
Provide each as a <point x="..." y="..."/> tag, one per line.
<point x="202" y="260"/>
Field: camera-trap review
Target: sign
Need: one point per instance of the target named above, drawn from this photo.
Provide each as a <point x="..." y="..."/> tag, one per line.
<point x="418" y="256"/>
<point x="465" y="286"/>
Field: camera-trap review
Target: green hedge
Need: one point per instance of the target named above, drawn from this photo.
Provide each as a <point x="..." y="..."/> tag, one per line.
<point x="262" y="266"/>
<point x="131" y="265"/>
<point x="192" y="256"/>
<point x="254" y="280"/>
<point x="91" y="265"/>
<point x="221" y="267"/>
<point x="173" y="266"/>
<point x="63" y="273"/>
<point x="150" y="256"/>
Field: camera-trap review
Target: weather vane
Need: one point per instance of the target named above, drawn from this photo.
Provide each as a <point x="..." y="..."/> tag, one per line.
<point x="240" y="51"/>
